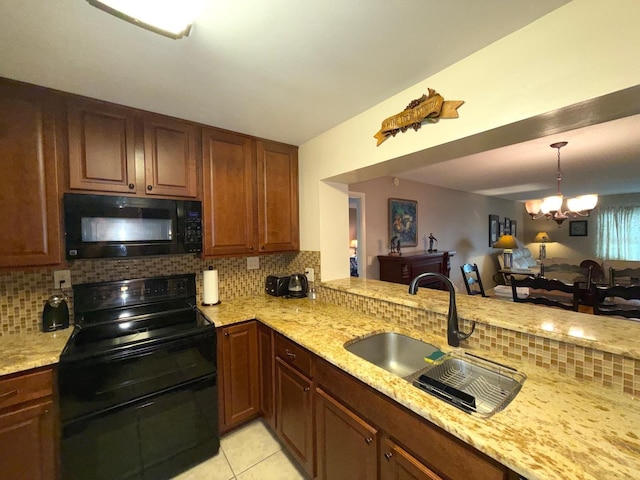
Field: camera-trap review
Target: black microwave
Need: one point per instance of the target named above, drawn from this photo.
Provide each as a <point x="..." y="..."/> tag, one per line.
<point x="103" y="226"/>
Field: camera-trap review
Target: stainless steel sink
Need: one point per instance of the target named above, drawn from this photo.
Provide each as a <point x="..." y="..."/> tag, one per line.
<point x="473" y="384"/>
<point x="396" y="353"/>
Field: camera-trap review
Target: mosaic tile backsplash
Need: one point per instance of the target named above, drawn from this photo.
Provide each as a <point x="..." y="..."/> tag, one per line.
<point x="23" y="293"/>
<point x="602" y="368"/>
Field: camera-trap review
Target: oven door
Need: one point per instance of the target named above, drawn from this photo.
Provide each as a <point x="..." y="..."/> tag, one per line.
<point x="147" y="411"/>
<point x="153" y="438"/>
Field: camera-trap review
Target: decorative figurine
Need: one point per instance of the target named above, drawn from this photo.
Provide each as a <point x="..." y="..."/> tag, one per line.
<point x="431" y="240"/>
<point x="395" y="246"/>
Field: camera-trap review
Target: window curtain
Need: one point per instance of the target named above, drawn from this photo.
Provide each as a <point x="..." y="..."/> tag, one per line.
<point x="618" y="233"/>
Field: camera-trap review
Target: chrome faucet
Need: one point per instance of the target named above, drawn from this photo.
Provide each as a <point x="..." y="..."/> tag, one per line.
<point x="454" y="335"/>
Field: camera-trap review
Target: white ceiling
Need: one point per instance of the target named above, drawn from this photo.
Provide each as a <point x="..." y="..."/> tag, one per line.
<point x="289" y="70"/>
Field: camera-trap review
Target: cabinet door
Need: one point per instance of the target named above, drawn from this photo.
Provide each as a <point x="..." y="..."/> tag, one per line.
<point x="241" y="399"/>
<point x="29" y="149"/>
<point x="294" y="418"/>
<point x="27" y="448"/>
<point x="347" y="446"/>
<point x="229" y="194"/>
<point x="101" y="147"/>
<point x="398" y="464"/>
<point x="265" y="354"/>
<point x="170" y="157"/>
<point x="277" y="197"/>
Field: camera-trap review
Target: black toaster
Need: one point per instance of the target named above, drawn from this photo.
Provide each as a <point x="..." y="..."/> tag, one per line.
<point x="277" y="286"/>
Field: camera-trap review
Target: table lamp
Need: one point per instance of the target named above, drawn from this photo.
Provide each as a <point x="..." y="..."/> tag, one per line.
<point x="508" y="242"/>
<point x="541" y="238"/>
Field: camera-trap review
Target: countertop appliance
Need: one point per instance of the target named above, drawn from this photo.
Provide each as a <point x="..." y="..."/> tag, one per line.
<point x="55" y="315"/>
<point x="137" y="381"/>
<point x="102" y="226"/>
<point x="277" y="286"/>
<point x="298" y="285"/>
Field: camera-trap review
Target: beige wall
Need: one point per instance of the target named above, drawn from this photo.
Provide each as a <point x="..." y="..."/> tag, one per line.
<point x="583" y="50"/>
<point x="459" y="220"/>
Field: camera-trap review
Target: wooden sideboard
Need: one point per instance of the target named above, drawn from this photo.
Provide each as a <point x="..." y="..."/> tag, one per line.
<point x="404" y="268"/>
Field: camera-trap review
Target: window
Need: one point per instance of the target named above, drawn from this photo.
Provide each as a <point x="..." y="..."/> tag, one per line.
<point x="617" y="235"/>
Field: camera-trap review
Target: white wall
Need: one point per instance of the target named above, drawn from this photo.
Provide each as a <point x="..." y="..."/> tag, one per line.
<point x="459" y="220"/>
<point x="583" y="50"/>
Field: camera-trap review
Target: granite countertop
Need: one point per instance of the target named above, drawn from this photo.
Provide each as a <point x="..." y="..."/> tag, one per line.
<point x="556" y="428"/>
<point x="24" y="351"/>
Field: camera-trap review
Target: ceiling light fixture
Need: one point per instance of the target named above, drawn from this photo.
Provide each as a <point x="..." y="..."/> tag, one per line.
<point x="551" y="207"/>
<point x="171" y="18"/>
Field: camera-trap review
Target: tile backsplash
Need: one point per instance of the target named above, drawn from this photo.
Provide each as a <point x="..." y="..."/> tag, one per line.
<point x="23" y="293"/>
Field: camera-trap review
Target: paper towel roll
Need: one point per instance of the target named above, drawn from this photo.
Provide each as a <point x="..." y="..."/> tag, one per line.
<point x="210" y="295"/>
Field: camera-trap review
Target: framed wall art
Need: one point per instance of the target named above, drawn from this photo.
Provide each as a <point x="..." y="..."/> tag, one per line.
<point x="514" y="228"/>
<point x="403" y="221"/>
<point x="578" y="228"/>
<point x="494" y="229"/>
<point x="507" y="226"/>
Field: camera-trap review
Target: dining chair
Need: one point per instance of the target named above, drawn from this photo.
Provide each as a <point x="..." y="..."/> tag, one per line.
<point x="619" y="300"/>
<point x="625" y="276"/>
<point x="552" y="293"/>
<point x="472" y="280"/>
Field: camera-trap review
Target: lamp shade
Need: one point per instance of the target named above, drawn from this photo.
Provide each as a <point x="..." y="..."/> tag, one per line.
<point x="506" y="241"/>
<point x="541" y="237"/>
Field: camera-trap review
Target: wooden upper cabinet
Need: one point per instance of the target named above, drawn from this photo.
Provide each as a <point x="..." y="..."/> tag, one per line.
<point x="101" y="147"/>
<point x="229" y="194"/>
<point x="278" y="223"/>
<point x="170" y="157"/>
<point x="29" y="150"/>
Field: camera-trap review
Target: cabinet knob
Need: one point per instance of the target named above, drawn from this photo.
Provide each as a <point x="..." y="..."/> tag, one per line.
<point x="368" y="440"/>
<point x="226" y="334"/>
<point x="290" y="354"/>
<point x="149" y="187"/>
<point x="131" y="186"/>
<point x="388" y="456"/>
<point x="306" y="389"/>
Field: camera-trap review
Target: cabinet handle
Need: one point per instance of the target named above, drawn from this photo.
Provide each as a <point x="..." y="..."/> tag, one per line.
<point x="290" y="354"/>
<point x="131" y="186"/>
<point x="306" y="389"/>
<point x="368" y="440"/>
<point x="388" y="456"/>
<point x="149" y="187"/>
<point x="8" y="394"/>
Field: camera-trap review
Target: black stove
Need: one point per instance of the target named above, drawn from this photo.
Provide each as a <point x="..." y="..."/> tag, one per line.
<point x="138" y="381"/>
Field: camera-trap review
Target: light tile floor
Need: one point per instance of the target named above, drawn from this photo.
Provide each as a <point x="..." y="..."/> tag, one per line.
<point x="251" y="452"/>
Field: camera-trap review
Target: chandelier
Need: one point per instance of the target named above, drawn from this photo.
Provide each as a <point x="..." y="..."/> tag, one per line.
<point x="551" y="207"/>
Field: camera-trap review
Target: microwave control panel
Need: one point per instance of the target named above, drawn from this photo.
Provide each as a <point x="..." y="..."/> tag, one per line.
<point x="192" y="228"/>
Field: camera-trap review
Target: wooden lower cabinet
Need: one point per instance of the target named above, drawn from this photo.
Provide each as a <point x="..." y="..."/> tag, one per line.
<point x="239" y="390"/>
<point x="347" y="446"/>
<point x="294" y="415"/>
<point x="266" y="359"/>
<point x="398" y="464"/>
<point x="337" y="427"/>
<point x="28" y="445"/>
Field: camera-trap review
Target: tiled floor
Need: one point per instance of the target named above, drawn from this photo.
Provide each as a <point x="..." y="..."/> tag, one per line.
<point x="251" y="452"/>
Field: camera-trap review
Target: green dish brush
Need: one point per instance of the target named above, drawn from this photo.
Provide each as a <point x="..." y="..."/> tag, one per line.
<point x="436" y="358"/>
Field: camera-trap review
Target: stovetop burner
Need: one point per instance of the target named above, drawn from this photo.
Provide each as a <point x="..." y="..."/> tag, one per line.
<point x="114" y="315"/>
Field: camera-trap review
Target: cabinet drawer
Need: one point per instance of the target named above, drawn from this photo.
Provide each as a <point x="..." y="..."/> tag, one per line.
<point x="294" y="355"/>
<point x="16" y="389"/>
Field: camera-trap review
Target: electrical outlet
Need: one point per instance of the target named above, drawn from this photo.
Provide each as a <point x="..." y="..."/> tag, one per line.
<point x="63" y="276"/>
<point x="253" y="263"/>
<point x="309" y="272"/>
